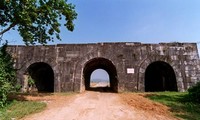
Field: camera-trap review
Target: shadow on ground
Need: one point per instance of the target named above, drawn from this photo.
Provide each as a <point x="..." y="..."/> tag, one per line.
<point x="24" y="96"/>
<point x="101" y="89"/>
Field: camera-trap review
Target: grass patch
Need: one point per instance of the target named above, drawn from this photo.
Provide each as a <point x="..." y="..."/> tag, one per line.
<point x="178" y="103"/>
<point x="18" y="109"/>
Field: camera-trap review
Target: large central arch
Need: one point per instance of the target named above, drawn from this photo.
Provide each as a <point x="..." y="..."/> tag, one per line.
<point x="101" y="63"/>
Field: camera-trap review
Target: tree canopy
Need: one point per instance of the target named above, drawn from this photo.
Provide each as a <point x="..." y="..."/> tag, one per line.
<point x="37" y="21"/>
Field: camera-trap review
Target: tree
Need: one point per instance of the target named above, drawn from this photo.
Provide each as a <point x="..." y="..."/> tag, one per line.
<point x="7" y="75"/>
<point x="37" y="21"/>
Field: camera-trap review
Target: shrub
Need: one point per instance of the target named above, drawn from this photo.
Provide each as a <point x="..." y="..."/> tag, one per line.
<point x="7" y="74"/>
<point x="194" y="93"/>
<point x="31" y="81"/>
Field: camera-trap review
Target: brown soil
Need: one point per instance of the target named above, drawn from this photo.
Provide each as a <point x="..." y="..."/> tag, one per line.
<point x="139" y="102"/>
<point x="98" y="106"/>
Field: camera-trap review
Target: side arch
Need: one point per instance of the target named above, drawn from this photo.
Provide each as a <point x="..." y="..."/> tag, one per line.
<point x="43" y="76"/>
<point x="160" y="76"/>
<point x="142" y="67"/>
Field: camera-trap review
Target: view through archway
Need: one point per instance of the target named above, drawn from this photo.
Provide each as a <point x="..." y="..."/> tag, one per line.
<point x="160" y="76"/>
<point x="103" y="64"/>
<point x="99" y="78"/>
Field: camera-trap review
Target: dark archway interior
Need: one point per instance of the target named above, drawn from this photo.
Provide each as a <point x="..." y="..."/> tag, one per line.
<point x="105" y="64"/>
<point x="43" y="76"/>
<point x="160" y="76"/>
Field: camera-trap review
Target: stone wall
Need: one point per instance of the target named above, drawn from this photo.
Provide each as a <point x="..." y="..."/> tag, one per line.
<point x="130" y="60"/>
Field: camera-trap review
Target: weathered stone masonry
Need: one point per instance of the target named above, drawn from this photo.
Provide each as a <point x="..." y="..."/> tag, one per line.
<point x="126" y="63"/>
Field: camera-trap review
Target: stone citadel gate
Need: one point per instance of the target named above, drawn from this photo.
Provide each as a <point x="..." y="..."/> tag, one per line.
<point x="130" y="66"/>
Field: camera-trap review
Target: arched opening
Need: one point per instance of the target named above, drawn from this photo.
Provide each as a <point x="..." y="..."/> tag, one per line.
<point x="160" y="76"/>
<point x="43" y="76"/>
<point x="99" y="78"/>
<point x="105" y="64"/>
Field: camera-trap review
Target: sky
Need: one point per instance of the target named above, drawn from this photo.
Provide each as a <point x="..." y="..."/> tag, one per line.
<point x="145" y="21"/>
<point x="97" y="75"/>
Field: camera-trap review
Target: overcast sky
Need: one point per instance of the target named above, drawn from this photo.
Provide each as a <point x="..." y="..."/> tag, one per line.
<point x="146" y="21"/>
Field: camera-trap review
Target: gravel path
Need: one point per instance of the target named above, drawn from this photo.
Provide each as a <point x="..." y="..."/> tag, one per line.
<point x="92" y="106"/>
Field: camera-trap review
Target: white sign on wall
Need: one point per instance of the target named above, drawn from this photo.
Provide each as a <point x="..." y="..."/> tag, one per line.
<point x="130" y="70"/>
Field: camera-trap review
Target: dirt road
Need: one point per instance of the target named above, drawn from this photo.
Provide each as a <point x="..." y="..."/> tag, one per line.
<point x="94" y="106"/>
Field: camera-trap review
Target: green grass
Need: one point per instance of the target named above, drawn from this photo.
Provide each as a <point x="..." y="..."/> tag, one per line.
<point x="178" y="103"/>
<point x="19" y="109"/>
